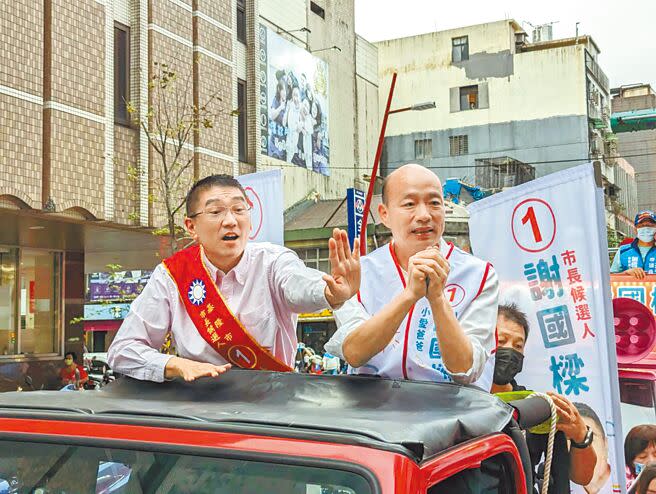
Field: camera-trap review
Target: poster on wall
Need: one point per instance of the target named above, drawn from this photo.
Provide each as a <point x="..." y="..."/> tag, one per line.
<point x="293" y="104"/>
<point x="552" y="264"/>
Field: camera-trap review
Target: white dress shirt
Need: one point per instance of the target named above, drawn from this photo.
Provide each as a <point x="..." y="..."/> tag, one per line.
<point x="477" y="319"/>
<point x="266" y="290"/>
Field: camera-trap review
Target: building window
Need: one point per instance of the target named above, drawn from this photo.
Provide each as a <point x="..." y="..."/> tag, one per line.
<point x="242" y="120"/>
<point x="30" y="299"/>
<point x="469" y="98"/>
<point x="241" y="20"/>
<point x="423" y="148"/>
<point x="317" y="10"/>
<point x="460" y="49"/>
<point x="315" y="258"/>
<point x="458" y="145"/>
<point x="121" y="73"/>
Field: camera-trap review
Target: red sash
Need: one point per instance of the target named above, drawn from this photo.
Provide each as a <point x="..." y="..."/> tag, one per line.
<point x="209" y="312"/>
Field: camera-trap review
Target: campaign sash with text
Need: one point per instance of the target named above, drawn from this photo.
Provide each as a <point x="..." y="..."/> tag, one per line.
<point x="212" y="317"/>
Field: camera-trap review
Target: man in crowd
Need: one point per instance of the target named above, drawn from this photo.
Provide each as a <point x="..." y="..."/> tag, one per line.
<point x="426" y="310"/>
<point x="639" y="257"/>
<point x="512" y="330"/>
<point x="225" y="300"/>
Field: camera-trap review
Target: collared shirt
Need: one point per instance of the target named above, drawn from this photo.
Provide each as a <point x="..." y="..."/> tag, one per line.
<point x="266" y="290"/>
<point x="477" y="320"/>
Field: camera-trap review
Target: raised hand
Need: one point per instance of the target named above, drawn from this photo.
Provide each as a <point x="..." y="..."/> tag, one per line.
<point x="190" y="370"/>
<point x="343" y="282"/>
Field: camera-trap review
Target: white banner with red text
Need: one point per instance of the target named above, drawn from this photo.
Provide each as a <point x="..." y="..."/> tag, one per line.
<point x="547" y="241"/>
<point x="265" y="195"/>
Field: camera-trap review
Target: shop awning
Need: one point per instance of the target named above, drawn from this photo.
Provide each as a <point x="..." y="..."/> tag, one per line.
<point x="631" y="121"/>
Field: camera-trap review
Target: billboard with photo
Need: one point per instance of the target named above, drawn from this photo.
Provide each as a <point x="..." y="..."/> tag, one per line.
<point x="293" y="103"/>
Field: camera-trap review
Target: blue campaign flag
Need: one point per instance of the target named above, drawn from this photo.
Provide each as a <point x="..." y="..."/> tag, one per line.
<point x="354" y="211"/>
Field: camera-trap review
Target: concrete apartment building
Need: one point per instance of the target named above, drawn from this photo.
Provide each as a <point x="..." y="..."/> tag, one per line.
<point x="506" y="107"/>
<point x="67" y="146"/>
<point x="634" y="122"/>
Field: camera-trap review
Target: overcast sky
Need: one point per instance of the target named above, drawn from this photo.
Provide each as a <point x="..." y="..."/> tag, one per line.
<point x="625" y="31"/>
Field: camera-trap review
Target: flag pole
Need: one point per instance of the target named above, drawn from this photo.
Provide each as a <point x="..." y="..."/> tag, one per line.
<point x="374" y="171"/>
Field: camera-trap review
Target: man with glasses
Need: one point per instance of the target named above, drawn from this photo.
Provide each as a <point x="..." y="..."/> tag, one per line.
<point x="224" y="300"/>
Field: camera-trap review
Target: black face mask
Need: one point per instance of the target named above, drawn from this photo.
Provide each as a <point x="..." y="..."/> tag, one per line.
<point x="508" y="364"/>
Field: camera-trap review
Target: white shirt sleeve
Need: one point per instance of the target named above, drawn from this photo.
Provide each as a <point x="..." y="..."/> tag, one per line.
<point x="348" y="317"/>
<point x="479" y="322"/>
<point x="135" y="349"/>
<point x="302" y="288"/>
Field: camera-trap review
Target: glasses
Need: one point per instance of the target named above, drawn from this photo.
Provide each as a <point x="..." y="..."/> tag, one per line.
<point x="218" y="213"/>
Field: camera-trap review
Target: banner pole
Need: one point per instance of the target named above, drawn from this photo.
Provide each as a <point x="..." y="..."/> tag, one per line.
<point x="374" y="171"/>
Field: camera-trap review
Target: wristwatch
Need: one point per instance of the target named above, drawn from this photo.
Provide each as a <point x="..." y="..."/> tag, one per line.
<point x="587" y="440"/>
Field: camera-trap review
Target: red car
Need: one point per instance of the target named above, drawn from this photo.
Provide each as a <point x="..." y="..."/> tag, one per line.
<point x="263" y="432"/>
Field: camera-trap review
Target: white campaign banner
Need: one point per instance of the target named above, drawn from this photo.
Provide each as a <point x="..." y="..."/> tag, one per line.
<point x="547" y="241"/>
<point x="264" y="193"/>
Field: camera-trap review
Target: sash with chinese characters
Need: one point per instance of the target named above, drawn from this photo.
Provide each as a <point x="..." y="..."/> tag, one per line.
<point x="209" y="312"/>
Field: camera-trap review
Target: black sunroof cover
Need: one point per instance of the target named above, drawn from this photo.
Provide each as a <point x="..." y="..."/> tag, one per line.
<point x="426" y="418"/>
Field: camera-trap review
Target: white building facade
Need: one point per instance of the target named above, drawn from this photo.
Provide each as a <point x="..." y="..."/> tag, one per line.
<point x="499" y="99"/>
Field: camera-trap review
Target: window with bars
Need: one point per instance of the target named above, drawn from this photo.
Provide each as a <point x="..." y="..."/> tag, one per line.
<point x="242" y="121"/>
<point x="460" y="49"/>
<point x="241" y="20"/>
<point x="423" y="148"/>
<point x="469" y="98"/>
<point x="121" y="73"/>
<point x="458" y="145"/>
<point x="315" y="258"/>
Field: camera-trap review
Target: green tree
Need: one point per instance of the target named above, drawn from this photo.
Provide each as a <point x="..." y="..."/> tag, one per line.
<point x="171" y="123"/>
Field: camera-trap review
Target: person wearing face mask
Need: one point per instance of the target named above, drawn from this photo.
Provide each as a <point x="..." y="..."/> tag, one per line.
<point x="639" y="449"/>
<point x="73" y="373"/>
<point x="639" y="257"/>
<point x="227" y="301"/>
<point x="576" y="463"/>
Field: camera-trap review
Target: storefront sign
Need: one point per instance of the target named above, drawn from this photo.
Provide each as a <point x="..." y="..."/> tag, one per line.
<point x="121" y="285"/>
<point x="643" y="291"/>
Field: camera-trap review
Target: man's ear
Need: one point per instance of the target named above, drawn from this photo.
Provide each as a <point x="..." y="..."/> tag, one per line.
<point x="383" y="213"/>
<point x="190" y="226"/>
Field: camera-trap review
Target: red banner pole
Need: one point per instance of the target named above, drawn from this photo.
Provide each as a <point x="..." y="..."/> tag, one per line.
<point x="374" y="171"/>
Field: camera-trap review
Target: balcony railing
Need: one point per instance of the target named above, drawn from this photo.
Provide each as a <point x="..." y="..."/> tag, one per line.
<point x="597" y="73"/>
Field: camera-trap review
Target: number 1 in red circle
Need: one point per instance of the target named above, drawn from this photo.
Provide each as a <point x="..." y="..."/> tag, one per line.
<point x="530" y="217"/>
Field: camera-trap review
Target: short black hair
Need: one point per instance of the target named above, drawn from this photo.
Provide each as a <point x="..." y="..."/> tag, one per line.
<point x="221" y="180"/>
<point x="646" y="476"/>
<point x="637" y="440"/>
<point x="512" y="313"/>
<point x="72" y="354"/>
<point x="587" y="411"/>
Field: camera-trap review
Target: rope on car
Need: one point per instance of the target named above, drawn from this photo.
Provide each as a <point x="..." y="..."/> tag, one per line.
<point x="550" y="441"/>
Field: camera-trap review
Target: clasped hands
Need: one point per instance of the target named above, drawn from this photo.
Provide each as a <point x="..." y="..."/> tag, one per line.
<point x="428" y="265"/>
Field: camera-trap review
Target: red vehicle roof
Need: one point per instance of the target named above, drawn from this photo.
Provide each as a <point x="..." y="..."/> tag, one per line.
<point x="416" y="419"/>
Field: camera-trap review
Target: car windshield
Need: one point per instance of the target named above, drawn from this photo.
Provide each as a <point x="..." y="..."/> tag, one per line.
<point x="27" y="467"/>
